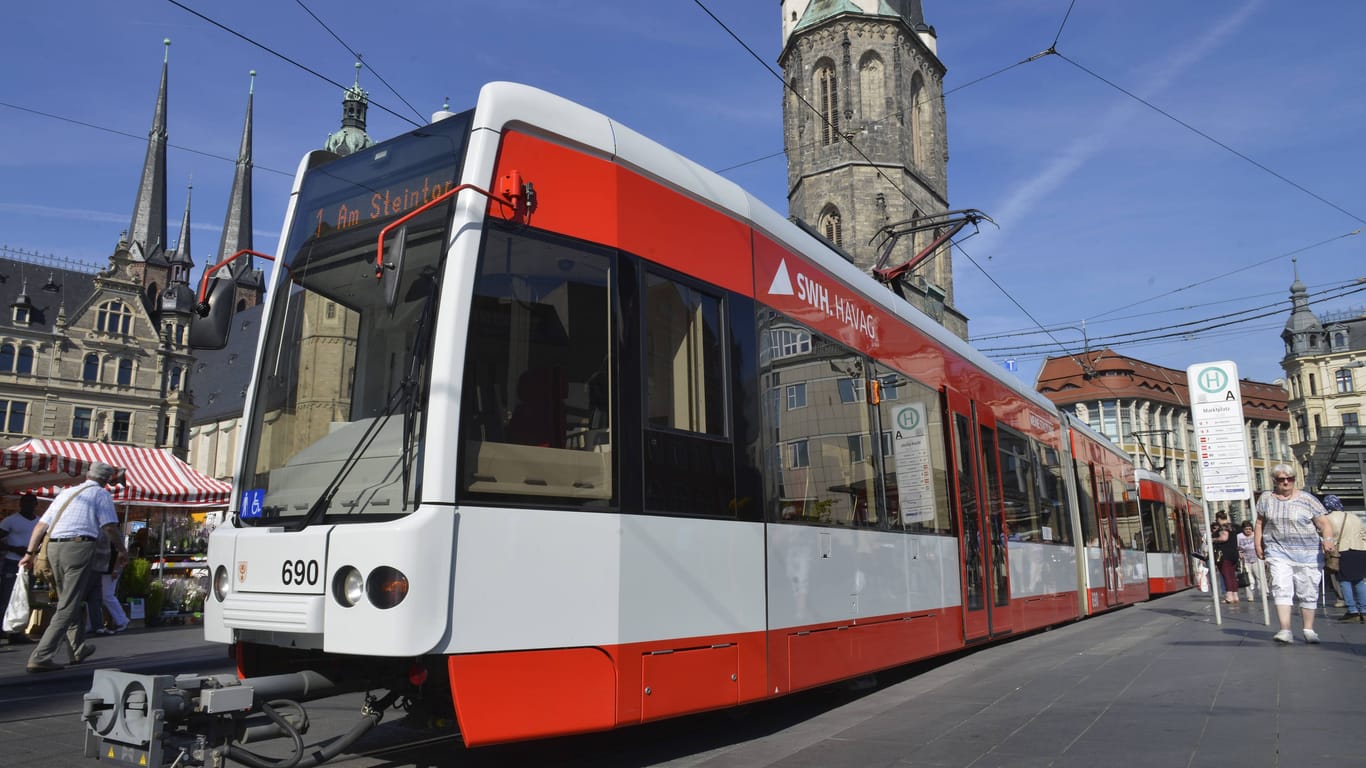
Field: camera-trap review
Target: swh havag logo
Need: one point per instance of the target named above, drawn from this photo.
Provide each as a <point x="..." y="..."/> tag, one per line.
<point x="1213" y="380"/>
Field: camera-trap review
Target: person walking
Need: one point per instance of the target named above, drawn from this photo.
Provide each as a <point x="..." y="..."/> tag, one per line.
<point x="16" y="530"/>
<point x="75" y="520"/>
<point x="1247" y="555"/>
<point x="1225" y="555"/>
<point x="1292" y="533"/>
<point x="1351" y="548"/>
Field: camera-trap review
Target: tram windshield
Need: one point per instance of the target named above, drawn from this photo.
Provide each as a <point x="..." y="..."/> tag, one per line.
<point x="342" y="382"/>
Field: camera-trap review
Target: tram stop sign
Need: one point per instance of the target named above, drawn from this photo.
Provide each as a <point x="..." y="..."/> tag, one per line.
<point x="1217" y="408"/>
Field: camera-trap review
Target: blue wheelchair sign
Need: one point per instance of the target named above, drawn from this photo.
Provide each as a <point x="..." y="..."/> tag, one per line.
<point x="253" y="502"/>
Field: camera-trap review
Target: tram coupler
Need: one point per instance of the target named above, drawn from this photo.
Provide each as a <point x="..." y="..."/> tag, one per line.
<point x="193" y="720"/>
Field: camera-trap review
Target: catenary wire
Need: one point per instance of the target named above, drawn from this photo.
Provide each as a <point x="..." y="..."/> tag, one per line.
<point x="285" y="58"/>
<point x="1211" y="139"/>
<point x="359" y="58"/>
<point x="141" y="138"/>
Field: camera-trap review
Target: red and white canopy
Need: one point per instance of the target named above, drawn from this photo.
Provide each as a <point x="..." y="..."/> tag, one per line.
<point x="152" y="477"/>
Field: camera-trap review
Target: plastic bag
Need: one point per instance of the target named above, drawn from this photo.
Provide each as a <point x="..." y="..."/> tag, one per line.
<point x="16" y="613"/>
<point x="1202" y="577"/>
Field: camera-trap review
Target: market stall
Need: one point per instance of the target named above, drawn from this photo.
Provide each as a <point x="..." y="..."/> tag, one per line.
<point x="166" y="509"/>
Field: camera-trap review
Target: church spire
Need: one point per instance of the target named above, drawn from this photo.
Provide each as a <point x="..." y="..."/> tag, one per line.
<point x="147" y="233"/>
<point x="181" y="261"/>
<point x="237" y="223"/>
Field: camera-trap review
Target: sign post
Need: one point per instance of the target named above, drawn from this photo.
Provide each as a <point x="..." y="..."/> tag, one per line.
<point x="1217" y="409"/>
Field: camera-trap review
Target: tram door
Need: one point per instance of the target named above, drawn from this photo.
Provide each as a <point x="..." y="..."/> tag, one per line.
<point x="977" y="499"/>
<point x="1110" y="545"/>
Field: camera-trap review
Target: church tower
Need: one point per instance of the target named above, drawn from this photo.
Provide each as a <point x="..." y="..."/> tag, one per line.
<point x="865" y="135"/>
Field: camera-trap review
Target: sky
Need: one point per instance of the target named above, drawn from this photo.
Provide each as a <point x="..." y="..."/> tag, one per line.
<point x="1159" y="172"/>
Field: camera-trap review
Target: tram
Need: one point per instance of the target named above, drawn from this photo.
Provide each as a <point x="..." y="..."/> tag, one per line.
<point x="1171" y="529"/>
<point x="557" y="430"/>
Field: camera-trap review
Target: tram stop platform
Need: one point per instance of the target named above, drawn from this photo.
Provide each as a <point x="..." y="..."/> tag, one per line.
<point x="1157" y="684"/>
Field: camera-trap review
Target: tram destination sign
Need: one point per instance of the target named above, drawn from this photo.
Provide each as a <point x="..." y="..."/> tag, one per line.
<point x="1217" y="408"/>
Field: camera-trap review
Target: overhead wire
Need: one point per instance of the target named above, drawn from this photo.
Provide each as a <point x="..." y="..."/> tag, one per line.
<point x="285" y="58"/>
<point x="141" y="138"/>
<point x="1178" y="329"/>
<point x="1211" y="139"/>
<point x="359" y="58"/>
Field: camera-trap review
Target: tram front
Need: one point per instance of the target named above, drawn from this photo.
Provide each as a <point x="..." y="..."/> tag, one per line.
<point x="332" y="548"/>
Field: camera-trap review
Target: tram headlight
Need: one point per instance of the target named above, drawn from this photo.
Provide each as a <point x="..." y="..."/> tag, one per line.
<point x="348" y="587"/>
<point x="386" y="587"/>
<point x="220" y="583"/>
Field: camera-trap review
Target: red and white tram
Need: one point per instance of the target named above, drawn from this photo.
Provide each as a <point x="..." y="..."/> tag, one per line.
<point x="1171" y="525"/>
<point x="609" y="441"/>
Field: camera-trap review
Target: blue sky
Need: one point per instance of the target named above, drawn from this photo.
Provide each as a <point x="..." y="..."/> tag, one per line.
<point x="1108" y="210"/>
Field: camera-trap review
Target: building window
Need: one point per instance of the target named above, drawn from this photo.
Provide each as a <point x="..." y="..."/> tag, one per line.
<point x="872" y="100"/>
<point x="798" y="454"/>
<point x="1344" y="377"/>
<point x="7" y="358"/>
<point x="123" y="425"/>
<point x="331" y="311"/>
<point x="855" y="446"/>
<point x="21" y="314"/>
<point x="785" y="342"/>
<point x="1349" y="422"/>
<point x="851" y="390"/>
<point x="80" y="422"/>
<point x="831" y="226"/>
<point x="91" y="370"/>
<point x="827" y="103"/>
<point x="1313" y="385"/>
<point x="796" y="396"/>
<point x="173" y="381"/>
<point x="24" y="364"/>
<point x="114" y="317"/>
<point x="12" y="415"/>
<point x="125" y="376"/>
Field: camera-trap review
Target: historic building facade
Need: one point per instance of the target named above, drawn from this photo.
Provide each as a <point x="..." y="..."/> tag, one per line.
<point x="865" y="135"/>
<point x="1325" y="373"/>
<point x="1145" y="410"/>
<point x="101" y="354"/>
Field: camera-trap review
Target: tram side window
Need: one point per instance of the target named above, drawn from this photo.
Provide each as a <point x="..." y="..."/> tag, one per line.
<point x="536" y="411"/>
<point x="832" y="481"/>
<point x="1020" y="483"/>
<point x="915" y="475"/>
<point x="689" y="458"/>
<point x="1086" y="500"/>
<point x="1053" y="495"/>
<point x="1127" y="521"/>
<point x="1155" y="530"/>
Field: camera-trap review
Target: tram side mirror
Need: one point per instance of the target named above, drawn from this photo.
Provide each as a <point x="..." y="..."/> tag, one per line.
<point x="391" y="271"/>
<point x="211" y="320"/>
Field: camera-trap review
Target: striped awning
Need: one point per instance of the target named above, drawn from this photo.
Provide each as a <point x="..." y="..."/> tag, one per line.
<point x="151" y="477"/>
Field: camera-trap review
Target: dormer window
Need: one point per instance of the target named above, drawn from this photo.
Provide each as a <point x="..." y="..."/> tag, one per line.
<point x="22" y="308"/>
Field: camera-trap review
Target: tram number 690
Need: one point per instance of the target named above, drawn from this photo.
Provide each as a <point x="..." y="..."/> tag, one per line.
<point x="299" y="572"/>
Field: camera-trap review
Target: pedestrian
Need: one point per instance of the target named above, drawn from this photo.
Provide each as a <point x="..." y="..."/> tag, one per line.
<point x="1351" y="550"/>
<point x="1292" y="533"/>
<point x="73" y="523"/>
<point x="106" y="597"/>
<point x="16" y="530"/>
<point x="1225" y="555"/>
<point x="1247" y="557"/>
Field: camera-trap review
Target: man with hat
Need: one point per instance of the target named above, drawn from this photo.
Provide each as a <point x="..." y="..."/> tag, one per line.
<point x="77" y="518"/>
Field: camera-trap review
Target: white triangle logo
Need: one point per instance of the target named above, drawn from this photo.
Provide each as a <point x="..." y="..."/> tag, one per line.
<point x="782" y="282"/>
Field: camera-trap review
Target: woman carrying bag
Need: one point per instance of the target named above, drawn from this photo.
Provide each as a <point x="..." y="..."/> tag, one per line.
<point x="1351" y="557"/>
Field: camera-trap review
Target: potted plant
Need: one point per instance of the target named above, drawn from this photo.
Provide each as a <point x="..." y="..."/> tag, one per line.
<point x="134" y="584"/>
<point x="156" y="598"/>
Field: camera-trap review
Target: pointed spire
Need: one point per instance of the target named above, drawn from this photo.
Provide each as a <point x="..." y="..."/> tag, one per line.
<point x="181" y="262"/>
<point x="237" y="223"/>
<point x="147" y="233"/>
